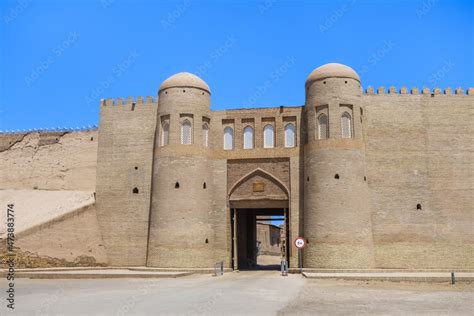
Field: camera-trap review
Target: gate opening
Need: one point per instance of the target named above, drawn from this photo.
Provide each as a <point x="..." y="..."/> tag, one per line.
<point x="259" y="238"/>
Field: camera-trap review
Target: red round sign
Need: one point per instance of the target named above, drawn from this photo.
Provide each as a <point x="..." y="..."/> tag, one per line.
<point x="300" y="242"/>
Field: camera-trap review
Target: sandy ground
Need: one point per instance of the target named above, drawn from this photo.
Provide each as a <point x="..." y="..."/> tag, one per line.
<point x="68" y="164"/>
<point x="33" y="207"/>
<point x="242" y="293"/>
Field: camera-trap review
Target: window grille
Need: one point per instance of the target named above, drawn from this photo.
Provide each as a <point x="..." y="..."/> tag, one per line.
<point x="323" y="127"/>
<point x="165" y="132"/>
<point x="290" y="135"/>
<point x="205" y="135"/>
<point x="186" y="132"/>
<point x="248" y="137"/>
<point x="228" y="138"/>
<point x="268" y="136"/>
<point x="346" y="125"/>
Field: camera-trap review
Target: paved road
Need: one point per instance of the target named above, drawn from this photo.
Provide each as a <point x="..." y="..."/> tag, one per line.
<point x="253" y="292"/>
<point x="244" y="293"/>
<point x="331" y="297"/>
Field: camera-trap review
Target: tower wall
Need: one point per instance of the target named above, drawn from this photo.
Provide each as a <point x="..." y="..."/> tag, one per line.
<point x="181" y="229"/>
<point x="337" y="218"/>
<point x="124" y="162"/>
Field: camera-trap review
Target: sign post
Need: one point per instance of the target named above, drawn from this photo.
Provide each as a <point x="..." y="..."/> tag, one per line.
<point x="300" y="243"/>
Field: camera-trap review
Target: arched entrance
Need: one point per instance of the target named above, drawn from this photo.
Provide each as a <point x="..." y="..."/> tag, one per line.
<point x="259" y="214"/>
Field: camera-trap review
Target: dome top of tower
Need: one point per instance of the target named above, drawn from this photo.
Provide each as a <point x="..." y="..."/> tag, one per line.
<point x="332" y="70"/>
<point x="184" y="79"/>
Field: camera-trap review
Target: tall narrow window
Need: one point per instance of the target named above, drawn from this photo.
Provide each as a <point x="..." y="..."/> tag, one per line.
<point x="290" y="135"/>
<point x="205" y="135"/>
<point x="228" y="138"/>
<point x="248" y="137"/>
<point x="165" y="132"/>
<point x="346" y="125"/>
<point x="323" y="126"/>
<point x="268" y="136"/>
<point x="186" y="132"/>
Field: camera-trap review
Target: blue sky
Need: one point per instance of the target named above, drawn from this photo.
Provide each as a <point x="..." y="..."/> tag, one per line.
<point x="59" y="58"/>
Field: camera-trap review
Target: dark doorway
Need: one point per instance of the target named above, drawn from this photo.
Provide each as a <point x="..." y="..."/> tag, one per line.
<point x="259" y="238"/>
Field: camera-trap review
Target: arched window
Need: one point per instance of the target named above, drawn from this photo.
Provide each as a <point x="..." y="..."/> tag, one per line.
<point x="228" y="138"/>
<point x="268" y="136"/>
<point x="165" y="133"/>
<point x="323" y="127"/>
<point x="248" y="137"/>
<point x="346" y="125"/>
<point x="205" y="135"/>
<point x="290" y="135"/>
<point x="186" y="132"/>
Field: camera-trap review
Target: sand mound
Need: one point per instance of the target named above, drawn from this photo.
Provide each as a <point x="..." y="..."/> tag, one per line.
<point x="34" y="207"/>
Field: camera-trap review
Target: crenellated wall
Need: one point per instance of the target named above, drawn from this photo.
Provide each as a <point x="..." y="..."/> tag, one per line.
<point x="397" y="193"/>
<point x="124" y="169"/>
<point x="415" y="91"/>
<point x="420" y="150"/>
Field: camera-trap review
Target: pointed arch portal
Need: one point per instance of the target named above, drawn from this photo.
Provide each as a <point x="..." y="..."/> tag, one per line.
<point x="259" y="203"/>
<point x="259" y="189"/>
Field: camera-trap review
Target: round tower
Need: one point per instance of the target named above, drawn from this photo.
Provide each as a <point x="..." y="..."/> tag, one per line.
<point x="181" y="234"/>
<point x="337" y="218"/>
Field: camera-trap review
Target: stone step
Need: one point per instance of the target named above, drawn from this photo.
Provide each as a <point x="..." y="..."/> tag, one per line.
<point x="393" y="276"/>
<point x="193" y="270"/>
<point x="321" y="270"/>
<point x="98" y="274"/>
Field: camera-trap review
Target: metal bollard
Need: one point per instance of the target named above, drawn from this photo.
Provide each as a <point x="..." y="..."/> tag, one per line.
<point x="218" y="268"/>
<point x="453" y="279"/>
<point x="284" y="268"/>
